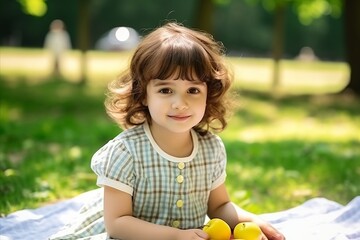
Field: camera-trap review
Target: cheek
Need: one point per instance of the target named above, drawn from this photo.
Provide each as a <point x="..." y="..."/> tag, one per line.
<point x="154" y="104"/>
<point x="205" y="105"/>
<point x="204" y="102"/>
<point x="150" y="101"/>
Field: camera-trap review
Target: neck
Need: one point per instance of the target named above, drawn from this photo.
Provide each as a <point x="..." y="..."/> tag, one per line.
<point x="174" y="144"/>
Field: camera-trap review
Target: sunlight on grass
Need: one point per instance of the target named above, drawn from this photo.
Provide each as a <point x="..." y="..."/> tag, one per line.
<point x="36" y="64"/>
<point x="292" y="122"/>
<point x="280" y="175"/>
<point x="308" y="129"/>
<point x="296" y="77"/>
<point x="25" y="62"/>
<point x="281" y="153"/>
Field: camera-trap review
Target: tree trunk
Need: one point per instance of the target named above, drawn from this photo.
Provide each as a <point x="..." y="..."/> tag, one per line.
<point x="278" y="46"/>
<point x="83" y="36"/>
<point x="204" y="16"/>
<point x="352" y="39"/>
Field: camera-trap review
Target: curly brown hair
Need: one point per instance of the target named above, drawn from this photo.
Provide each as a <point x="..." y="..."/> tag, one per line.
<point x="171" y="49"/>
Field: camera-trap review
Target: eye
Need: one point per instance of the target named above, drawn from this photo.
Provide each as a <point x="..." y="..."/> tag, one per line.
<point x="193" y="90"/>
<point x="165" y="91"/>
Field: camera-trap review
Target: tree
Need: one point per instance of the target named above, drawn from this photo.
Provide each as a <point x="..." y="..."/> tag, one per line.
<point x="352" y="38"/>
<point x="34" y="7"/>
<point x="204" y="14"/>
<point x="307" y="11"/>
<point x="83" y="35"/>
<point x="278" y="43"/>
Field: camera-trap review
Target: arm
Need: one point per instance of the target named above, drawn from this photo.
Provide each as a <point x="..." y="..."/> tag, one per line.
<point x="120" y="223"/>
<point x="220" y="206"/>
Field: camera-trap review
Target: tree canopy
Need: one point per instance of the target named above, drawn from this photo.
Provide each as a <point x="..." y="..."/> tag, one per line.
<point x="34" y="7"/>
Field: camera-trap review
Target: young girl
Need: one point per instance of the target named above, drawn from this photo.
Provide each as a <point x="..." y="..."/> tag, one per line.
<point x="166" y="171"/>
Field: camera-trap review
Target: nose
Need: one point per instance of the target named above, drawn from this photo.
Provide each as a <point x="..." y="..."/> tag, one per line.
<point x="179" y="103"/>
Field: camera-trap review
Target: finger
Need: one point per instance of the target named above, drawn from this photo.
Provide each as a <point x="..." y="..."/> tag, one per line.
<point x="275" y="235"/>
<point x="270" y="232"/>
<point x="202" y="234"/>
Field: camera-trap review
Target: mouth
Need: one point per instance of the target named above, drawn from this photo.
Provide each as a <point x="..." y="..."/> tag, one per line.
<point x="179" y="117"/>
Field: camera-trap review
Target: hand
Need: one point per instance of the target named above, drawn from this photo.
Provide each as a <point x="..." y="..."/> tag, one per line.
<point x="269" y="232"/>
<point x="192" y="234"/>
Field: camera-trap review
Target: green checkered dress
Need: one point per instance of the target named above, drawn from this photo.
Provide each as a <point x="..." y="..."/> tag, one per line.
<point x="166" y="190"/>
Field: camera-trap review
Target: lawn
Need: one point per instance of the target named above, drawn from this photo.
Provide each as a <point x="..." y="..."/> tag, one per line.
<point x="281" y="152"/>
<point x="284" y="152"/>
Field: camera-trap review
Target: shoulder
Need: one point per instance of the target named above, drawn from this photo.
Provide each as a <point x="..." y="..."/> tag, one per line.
<point x="210" y="139"/>
<point x="123" y="141"/>
<point x="117" y="154"/>
<point x="211" y="143"/>
<point x="131" y="135"/>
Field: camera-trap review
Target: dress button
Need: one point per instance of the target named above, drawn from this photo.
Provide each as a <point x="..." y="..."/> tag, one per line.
<point x="179" y="203"/>
<point x="176" y="223"/>
<point x="181" y="165"/>
<point x="180" y="178"/>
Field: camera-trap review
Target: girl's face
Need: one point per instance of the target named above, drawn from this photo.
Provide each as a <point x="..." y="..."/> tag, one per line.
<point x="176" y="105"/>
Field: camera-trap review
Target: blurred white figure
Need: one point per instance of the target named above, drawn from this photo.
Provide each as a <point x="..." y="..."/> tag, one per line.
<point x="57" y="41"/>
<point x="307" y="54"/>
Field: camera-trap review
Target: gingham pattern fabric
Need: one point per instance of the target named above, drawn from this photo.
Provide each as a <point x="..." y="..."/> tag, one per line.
<point x="132" y="162"/>
<point x="166" y="190"/>
<point x="88" y="224"/>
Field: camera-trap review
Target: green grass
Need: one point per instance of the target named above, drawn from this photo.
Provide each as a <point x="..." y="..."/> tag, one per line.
<point x="48" y="134"/>
<point x="281" y="152"/>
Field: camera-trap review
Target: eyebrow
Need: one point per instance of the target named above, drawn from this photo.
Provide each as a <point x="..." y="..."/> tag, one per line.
<point x="160" y="82"/>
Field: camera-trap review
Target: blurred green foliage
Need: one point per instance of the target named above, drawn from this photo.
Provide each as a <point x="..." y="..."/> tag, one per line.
<point x="245" y="29"/>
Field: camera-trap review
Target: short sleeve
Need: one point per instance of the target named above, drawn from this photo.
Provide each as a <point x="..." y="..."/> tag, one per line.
<point x="113" y="164"/>
<point x="219" y="175"/>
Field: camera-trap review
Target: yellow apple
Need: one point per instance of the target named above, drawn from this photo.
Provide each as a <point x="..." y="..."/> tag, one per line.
<point x="247" y="231"/>
<point x="217" y="229"/>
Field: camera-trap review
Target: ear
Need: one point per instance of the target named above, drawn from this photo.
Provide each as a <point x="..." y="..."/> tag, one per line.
<point x="144" y="102"/>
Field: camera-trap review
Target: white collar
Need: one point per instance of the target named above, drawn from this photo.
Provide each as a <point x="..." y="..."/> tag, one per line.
<point x="167" y="156"/>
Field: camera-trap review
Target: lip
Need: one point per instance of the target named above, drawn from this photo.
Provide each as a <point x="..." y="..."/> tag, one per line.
<point x="179" y="117"/>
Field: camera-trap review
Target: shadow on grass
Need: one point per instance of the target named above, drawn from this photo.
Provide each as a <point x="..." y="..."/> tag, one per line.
<point x="48" y="134"/>
<point x="51" y="96"/>
<point x="271" y="176"/>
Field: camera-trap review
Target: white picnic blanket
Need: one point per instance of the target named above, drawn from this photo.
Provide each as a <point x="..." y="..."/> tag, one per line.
<point x="315" y="219"/>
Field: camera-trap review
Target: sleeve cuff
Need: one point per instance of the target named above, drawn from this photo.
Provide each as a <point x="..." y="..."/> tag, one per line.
<point x="104" y="181"/>
<point x="219" y="181"/>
